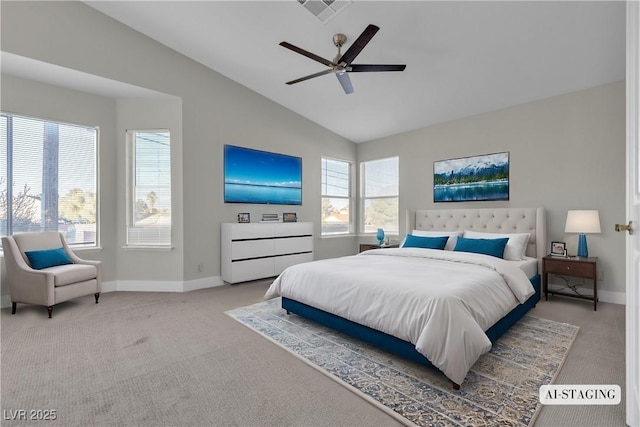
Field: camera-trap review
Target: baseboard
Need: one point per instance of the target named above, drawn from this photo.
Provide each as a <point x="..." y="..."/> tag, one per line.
<point x="148" y="286"/>
<point x="612" y="297"/>
<point x="161" y="286"/>
<point x="5" y="301"/>
<point x="607" y="296"/>
<point x="212" y="282"/>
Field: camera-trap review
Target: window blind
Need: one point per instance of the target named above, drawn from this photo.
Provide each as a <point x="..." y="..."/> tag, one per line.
<point x="380" y="195"/>
<point x="149" y="201"/>
<point x="336" y="197"/>
<point x="48" y="178"/>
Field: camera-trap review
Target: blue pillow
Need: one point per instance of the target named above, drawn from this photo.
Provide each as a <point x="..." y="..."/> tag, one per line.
<point x="412" y="241"/>
<point x="493" y="247"/>
<point x="47" y="258"/>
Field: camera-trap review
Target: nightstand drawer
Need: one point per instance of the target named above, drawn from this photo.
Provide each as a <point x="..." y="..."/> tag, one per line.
<point x="575" y="269"/>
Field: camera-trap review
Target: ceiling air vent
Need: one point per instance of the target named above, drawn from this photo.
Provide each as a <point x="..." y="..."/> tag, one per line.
<point x="325" y="10"/>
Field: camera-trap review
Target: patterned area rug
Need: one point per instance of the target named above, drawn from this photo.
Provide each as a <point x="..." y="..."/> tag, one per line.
<point x="501" y="388"/>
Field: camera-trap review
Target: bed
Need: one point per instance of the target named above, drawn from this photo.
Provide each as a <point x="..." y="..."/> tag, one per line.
<point x="439" y="307"/>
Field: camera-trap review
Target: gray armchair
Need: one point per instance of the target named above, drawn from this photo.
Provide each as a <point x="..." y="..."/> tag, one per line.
<point x="52" y="285"/>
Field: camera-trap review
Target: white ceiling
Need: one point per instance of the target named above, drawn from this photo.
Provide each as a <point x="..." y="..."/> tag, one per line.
<point x="463" y="58"/>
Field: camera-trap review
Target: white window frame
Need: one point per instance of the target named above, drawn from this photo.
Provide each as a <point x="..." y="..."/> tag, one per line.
<point x="131" y="230"/>
<point x="350" y="198"/>
<point x="96" y="169"/>
<point x="363" y="199"/>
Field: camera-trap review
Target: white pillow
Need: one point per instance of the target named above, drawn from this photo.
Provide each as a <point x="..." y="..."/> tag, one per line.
<point x="516" y="246"/>
<point x="451" y="242"/>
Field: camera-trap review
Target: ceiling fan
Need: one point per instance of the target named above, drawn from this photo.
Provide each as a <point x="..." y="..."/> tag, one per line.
<point x="341" y="64"/>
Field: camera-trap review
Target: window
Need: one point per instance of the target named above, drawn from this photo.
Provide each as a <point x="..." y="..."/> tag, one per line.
<point x="48" y="178"/>
<point x="379" y="195"/>
<point x="336" y="197"/>
<point x="149" y="188"/>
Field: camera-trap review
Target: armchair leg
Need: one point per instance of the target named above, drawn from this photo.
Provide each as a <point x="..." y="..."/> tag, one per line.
<point x="50" y="310"/>
<point x="97" y="295"/>
<point x="13" y="308"/>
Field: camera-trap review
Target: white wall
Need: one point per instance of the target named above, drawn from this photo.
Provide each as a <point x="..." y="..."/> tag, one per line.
<point x="144" y="114"/>
<point x="566" y="152"/>
<point x="33" y="99"/>
<point x="215" y="111"/>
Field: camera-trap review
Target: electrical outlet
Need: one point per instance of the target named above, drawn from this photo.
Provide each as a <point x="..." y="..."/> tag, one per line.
<point x="200" y="268"/>
<point x="600" y="275"/>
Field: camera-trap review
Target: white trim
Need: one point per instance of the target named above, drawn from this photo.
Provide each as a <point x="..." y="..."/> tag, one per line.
<point x="612" y="297"/>
<point x="632" y="242"/>
<point x="148" y="286"/>
<point x="159" y="242"/>
<point x="6" y="301"/>
<point x="162" y="286"/>
<point x="147" y="248"/>
<point x="207" y="282"/>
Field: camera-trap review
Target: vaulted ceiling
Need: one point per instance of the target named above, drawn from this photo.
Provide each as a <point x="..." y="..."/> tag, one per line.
<point x="463" y="58"/>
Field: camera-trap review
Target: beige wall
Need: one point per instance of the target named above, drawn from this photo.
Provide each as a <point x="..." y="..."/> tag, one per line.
<point x="566" y="152"/>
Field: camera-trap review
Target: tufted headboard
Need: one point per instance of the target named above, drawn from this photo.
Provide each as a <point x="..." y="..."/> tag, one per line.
<point x="499" y="220"/>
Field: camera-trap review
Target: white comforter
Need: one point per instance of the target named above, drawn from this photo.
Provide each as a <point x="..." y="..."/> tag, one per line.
<point x="440" y="301"/>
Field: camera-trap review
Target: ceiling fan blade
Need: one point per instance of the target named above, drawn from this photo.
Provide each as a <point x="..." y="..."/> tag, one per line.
<point x="345" y="82"/>
<point x="359" y="44"/>
<point x="307" y="54"/>
<point x="301" y="79"/>
<point x="359" y="68"/>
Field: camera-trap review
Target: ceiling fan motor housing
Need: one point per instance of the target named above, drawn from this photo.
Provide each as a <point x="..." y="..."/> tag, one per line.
<point x="339" y="40"/>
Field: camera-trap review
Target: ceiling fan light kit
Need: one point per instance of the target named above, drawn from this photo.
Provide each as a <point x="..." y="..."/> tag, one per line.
<point x="342" y="64"/>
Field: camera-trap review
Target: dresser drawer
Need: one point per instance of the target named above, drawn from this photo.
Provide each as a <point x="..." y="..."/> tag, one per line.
<point x="577" y="269"/>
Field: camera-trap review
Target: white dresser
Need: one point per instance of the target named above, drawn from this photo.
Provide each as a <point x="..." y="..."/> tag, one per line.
<point x="258" y="250"/>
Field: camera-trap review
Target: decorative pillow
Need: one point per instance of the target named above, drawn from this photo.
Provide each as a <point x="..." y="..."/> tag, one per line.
<point x="425" y="242"/>
<point x="451" y="243"/>
<point x="516" y="246"/>
<point x="493" y="247"/>
<point x="47" y="258"/>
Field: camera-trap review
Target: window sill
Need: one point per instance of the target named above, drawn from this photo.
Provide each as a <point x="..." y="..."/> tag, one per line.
<point x="148" y="248"/>
<point x="337" y="236"/>
<point x="86" y="249"/>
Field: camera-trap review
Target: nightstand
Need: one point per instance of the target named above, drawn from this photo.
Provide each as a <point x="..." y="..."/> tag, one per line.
<point x="573" y="267"/>
<point x="367" y="246"/>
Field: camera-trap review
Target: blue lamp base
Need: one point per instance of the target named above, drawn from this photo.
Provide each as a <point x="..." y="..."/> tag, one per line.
<point x="583" y="251"/>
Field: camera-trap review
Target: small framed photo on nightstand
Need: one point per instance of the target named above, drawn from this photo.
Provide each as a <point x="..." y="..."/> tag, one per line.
<point x="244" y="217"/>
<point x="559" y="249"/>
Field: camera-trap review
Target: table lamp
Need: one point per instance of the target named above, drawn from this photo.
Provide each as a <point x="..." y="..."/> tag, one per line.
<point x="582" y="221"/>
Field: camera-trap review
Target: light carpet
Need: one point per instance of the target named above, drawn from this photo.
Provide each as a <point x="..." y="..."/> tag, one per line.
<point x="501" y="388"/>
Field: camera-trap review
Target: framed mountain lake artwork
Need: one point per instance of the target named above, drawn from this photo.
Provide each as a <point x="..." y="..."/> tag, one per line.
<point x="484" y="177"/>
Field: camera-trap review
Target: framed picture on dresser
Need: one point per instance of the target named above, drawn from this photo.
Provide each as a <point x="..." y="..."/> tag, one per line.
<point x="289" y="217"/>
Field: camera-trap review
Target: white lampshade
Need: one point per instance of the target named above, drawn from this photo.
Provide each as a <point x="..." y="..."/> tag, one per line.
<point x="583" y="221"/>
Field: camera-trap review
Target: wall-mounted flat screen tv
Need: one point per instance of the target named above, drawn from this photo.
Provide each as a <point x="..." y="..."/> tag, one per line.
<point x="254" y="176"/>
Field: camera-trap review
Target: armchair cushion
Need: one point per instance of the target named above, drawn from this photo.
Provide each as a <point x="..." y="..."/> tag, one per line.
<point x="47" y="258"/>
<point x="74" y="273"/>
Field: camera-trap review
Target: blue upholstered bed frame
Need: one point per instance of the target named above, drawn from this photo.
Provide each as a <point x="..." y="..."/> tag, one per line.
<point x="396" y="345"/>
<point x="504" y="220"/>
